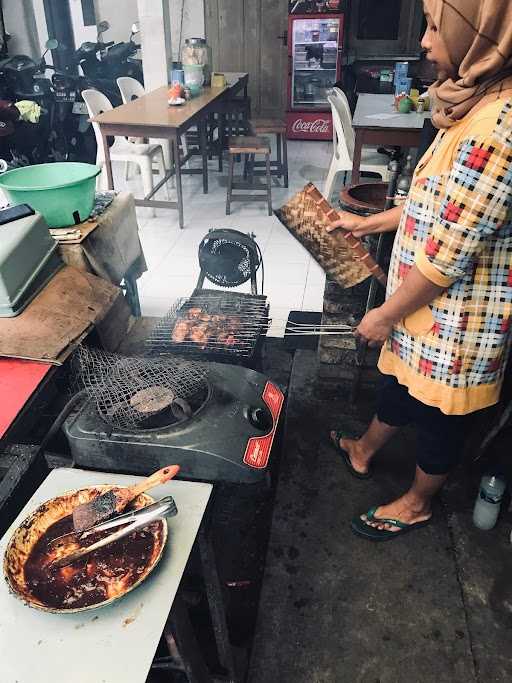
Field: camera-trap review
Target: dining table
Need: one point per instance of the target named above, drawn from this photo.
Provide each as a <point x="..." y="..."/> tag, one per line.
<point x="151" y="116"/>
<point x="376" y="122"/>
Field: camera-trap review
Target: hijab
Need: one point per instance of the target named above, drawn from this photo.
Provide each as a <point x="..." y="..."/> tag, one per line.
<point x="478" y="37"/>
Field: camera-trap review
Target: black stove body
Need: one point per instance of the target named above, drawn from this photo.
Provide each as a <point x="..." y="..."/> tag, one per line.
<point x="228" y="438"/>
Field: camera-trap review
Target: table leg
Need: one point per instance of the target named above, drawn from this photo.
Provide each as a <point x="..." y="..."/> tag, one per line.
<point x="356" y="162"/>
<point x="179" y="189"/>
<point x="108" y="161"/>
<point x="216" y="604"/>
<point x="132" y="294"/>
<point x="221" y="140"/>
<point x="204" y="152"/>
<point x="190" y="654"/>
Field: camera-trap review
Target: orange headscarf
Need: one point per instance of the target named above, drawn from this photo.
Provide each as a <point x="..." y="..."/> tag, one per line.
<point x="478" y="36"/>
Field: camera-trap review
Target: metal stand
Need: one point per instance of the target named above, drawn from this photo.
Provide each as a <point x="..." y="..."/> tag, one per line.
<point x="362" y="346"/>
<point x="178" y="630"/>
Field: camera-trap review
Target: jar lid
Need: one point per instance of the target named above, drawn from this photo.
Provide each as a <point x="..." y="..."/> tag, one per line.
<point x="195" y="41"/>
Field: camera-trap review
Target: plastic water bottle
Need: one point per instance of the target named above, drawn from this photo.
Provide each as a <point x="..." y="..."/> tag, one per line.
<point x="488" y="502"/>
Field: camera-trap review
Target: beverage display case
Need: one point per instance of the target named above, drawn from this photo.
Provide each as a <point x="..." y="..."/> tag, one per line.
<point x="315" y="6"/>
<point x="315" y="47"/>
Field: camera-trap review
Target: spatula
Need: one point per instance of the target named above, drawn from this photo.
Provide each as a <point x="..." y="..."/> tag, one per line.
<point x="102" y="507"/>
<point x="141" y="518"/>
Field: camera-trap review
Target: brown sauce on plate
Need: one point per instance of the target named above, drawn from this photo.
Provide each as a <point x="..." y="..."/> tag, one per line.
<point x="104" y="574"/>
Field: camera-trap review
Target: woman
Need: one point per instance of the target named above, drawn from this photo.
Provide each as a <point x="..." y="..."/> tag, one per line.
<point x="445" y="326"/>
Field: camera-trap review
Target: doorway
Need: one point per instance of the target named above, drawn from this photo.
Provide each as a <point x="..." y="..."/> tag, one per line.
<point x="250" y="35"/>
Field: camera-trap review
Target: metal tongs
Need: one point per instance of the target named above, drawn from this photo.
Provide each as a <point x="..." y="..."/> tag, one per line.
<point x="135" y="519"/>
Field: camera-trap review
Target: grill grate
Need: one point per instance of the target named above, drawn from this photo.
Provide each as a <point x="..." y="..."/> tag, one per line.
<point x="222" y="324"/>
<point x="130" y="391"/>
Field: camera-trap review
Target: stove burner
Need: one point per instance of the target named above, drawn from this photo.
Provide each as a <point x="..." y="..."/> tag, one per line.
<point x="142" y="393"/>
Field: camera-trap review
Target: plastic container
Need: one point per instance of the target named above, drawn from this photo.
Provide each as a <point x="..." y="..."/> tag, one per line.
<point x="62" y="192"/>
<point x="488" y="502"/>
<point x="194" y="78"/>
<point x="28" y="260"/>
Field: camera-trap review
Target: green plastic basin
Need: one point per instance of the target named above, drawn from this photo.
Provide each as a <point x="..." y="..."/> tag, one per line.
<point x="60" y="191"/>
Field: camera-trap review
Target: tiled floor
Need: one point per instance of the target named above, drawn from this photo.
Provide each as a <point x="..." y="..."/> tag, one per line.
<point x="293" y="280"/>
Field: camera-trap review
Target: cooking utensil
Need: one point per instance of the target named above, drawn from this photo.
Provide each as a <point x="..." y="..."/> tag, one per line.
<point x="111" y="523"/>
<point x="360" y="252"/>
<point x="140" y="518"/>
<point x="32" y="529"/>
<point x="104" y="506"/>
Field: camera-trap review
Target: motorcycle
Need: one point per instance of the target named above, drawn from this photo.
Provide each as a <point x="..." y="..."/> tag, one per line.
<point x="102" y="63"/>
<point x="24" y="79"/>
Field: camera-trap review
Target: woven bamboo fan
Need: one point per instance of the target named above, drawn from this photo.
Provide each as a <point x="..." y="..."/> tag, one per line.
<point x="341" y="255"/>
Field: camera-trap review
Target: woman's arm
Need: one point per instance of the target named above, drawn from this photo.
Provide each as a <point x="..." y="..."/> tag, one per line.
<point x="359" y="226"/>
<point x="415" y="292"/>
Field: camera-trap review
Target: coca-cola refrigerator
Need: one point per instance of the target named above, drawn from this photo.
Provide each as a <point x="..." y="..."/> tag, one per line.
<point x="315" y="44"/>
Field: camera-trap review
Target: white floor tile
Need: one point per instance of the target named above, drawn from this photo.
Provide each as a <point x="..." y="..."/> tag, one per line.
<point x="292" y="279"/>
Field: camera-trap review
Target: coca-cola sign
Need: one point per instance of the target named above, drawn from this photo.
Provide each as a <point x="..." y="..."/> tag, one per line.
<point x="313" y="127"/>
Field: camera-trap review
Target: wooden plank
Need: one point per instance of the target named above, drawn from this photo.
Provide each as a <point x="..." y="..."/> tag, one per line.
<point x="212" y="31"/>
<point x="231" y="23"/>
<point x="252" y="56"/>
<point x="273" y="58"/>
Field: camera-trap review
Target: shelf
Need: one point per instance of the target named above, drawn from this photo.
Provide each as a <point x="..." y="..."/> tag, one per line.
<point x="316" y="42"/>
<point x="320" y="70"/>
<point x="310" y="103"/>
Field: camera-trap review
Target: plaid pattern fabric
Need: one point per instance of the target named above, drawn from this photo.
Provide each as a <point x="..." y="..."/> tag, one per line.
<point x="457" y="228"/>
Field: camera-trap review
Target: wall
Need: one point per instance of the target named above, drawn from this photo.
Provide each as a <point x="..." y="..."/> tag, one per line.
<point x="192" y="27"/>
<point x="20" y="22"/>
<point x="193" y="22"/>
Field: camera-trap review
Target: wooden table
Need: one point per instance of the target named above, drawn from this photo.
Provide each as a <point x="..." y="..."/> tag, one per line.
<point x="376" y="122"/>
<point x="151" y="116"/>
<point x="108" y="645"/>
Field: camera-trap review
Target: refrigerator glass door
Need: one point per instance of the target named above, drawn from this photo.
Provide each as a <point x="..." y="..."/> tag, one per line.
<point x="315" y="57"/>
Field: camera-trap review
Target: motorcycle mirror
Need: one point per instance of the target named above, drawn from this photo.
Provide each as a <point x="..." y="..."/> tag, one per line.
<point x="135" y="28"/>
<point x="103" y="26"/>
<point x="52" y="44"/>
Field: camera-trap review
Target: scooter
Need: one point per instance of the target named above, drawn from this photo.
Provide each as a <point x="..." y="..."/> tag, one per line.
<point x="24" y="79"/>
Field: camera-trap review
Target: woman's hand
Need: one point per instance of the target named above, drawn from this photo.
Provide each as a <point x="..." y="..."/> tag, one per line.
<point x="375" y="327"/>
<point x="359" y="226"/>
<point x="349" y="222"/>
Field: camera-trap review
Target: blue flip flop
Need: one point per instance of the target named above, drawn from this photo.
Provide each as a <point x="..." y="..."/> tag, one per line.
<point x="361" y="528"/>
<point x="340" y="434"/>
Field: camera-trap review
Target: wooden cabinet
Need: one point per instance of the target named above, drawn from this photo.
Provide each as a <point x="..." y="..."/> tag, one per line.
<point x="384" y="28"/>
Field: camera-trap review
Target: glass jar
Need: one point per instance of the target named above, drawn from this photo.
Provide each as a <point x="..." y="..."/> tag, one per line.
<point x="196" y="52"/>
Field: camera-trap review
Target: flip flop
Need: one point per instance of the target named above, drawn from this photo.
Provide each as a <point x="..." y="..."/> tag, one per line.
<point x="361" y="528"/>
<point x="340" y="434"/>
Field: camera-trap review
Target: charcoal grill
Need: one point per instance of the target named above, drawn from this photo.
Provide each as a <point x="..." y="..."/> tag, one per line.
<point x="227" y="434"/>
<point x="219" y="325"/>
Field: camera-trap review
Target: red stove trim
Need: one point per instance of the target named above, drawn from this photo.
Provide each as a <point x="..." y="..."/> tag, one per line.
<point x="258" y="448"/>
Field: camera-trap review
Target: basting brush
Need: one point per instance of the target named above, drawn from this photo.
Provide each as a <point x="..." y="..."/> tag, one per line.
<point x="102" y="507"/>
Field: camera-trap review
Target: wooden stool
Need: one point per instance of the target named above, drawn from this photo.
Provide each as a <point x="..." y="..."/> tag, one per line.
<point x="276" y="127"/>
<point x="248" y="146"/>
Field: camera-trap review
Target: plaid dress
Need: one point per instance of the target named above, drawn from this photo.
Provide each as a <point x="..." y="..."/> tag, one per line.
<point x="456" y="227"/>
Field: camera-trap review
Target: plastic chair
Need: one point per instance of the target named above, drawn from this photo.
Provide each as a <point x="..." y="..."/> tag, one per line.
<point x="344" y="142"/>
<point x="130" y="90"/>
<point x="142" y="155"/>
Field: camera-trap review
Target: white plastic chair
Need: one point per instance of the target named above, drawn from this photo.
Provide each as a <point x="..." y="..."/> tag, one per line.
<point x="142" y="155"/>
<point x="131" y="89"/>
<point x="344" y="142"/>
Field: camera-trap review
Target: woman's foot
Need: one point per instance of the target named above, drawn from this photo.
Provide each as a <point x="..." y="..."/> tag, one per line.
<point x="359" y="460"/>
<point x="405" y="509"/>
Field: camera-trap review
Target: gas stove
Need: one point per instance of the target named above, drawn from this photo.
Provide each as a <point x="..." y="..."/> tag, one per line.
<point x="227" y="435"/>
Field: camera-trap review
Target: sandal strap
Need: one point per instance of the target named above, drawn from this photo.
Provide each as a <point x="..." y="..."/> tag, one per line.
<point x="370" y="516"/>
